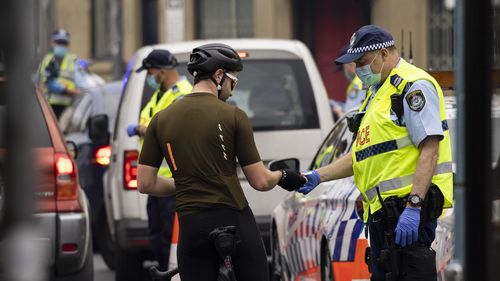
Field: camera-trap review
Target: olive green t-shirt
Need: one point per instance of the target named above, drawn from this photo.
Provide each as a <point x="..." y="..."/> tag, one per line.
<point x="200" y="137"/>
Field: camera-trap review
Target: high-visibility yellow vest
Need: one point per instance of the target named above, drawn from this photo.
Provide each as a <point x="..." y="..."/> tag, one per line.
<point x="354" y="85"/>
<point x="383" y="154"/>
<point x="155" y="105"/>
<point x="66" y="77"/>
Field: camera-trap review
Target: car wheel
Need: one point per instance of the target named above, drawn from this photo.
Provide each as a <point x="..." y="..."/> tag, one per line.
<point x="107" y="247"/>
<point x="87" y="271"/>
<point x="326" y="263"/>
<point x="128" y="266"/>
<point x="279" y="271"/>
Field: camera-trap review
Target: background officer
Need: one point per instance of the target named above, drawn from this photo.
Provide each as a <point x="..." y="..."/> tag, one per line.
<point x="401" y="157"/>
<point x="56" y="73"/>
<point x="355" y="91"/>
<point x="169" y="86"/>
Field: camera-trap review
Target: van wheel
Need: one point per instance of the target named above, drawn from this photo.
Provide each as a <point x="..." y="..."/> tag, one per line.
<point x="279" y="271"/>
<point x="128" y="266"/>
<point x="107" y="247"/>
<point x="326" y="263"/>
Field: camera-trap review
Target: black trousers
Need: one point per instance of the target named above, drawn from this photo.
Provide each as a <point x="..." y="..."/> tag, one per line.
<point x="161" y="211"/>
<point x="197" y="257"/>
<point x="377" y="226"/>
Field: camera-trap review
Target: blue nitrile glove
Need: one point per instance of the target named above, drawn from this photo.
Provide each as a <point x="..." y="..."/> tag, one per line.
<point x="132" y="130"/>
<point x="313" y="180"/>
<point x="407" y="228"/>
<point x="54" y="86"/>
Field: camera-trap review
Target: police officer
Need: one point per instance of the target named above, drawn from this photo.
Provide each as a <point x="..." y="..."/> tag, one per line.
<point x="401" y="158"/>
<point x="204" y="140"/>
<point x="56" y="73"/>
<point x="169" y="86"/>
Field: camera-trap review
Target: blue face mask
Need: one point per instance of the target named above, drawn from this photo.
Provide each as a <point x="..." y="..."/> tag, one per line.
<point x="60" y="51"/>
<point x="366" y="75"/>
<point x="152" y="81"/>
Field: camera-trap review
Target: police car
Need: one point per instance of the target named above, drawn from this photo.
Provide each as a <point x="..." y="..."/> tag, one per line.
<point x="321" y="236"/>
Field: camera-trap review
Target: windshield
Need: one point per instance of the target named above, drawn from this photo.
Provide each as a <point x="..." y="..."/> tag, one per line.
<point x="275" y="94"/>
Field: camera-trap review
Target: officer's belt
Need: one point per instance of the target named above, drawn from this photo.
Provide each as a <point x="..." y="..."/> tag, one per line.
<point x="396" y="183"/>
<point x="388" y="145"/>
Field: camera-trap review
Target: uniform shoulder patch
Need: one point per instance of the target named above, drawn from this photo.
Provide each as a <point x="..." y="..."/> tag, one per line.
<point x="416" y="100"/>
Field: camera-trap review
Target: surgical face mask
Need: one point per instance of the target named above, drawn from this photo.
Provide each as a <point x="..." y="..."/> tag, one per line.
<point x="60" y="51"/>
<point x="151" y="80"/>
<point x="366" y="75"/>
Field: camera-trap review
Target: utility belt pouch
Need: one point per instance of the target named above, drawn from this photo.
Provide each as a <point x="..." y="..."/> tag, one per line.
<point x="368" y="259"/>
<point x="418" y="264"/>
<point x="433" y="203"/>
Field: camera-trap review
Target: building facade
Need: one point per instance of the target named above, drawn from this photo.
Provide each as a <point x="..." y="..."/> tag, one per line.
<point x="109" y="31"/>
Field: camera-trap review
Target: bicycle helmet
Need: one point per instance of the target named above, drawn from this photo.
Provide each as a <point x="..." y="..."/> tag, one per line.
<point x="210" y="57"/>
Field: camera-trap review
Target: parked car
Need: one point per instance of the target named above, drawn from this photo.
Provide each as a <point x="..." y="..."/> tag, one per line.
<point x="98" y="104"/>
<point x="61" y="206"/>
<point x="281" y="91"/>
<point x="322" y="236"/>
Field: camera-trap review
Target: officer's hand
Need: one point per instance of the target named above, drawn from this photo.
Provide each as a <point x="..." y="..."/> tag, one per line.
<point x="132" y="130"/>
<point x="313" y="180"/>
<point x="407" y="228"/>
<point x="54" y="86"/>
<point x="291" y="180"/>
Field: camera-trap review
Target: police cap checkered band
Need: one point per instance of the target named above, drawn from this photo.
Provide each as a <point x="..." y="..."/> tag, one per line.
<point x="368" y="38"/>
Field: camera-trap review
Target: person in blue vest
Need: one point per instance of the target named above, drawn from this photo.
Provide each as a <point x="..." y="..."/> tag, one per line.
<point x="56" y="73"/>
<point x="401" y="158"/>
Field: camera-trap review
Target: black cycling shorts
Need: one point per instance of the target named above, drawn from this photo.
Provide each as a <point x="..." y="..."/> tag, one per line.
<point x="197" y="257"/>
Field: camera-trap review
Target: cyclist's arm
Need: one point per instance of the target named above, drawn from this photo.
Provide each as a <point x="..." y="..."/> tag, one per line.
<point x="149" y="182"/>
<point x="150" y="160"/>
<point x="261" y="178"/>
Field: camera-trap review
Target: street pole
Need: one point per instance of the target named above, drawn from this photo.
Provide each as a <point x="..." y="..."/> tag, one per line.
<point x="473" y="188"/>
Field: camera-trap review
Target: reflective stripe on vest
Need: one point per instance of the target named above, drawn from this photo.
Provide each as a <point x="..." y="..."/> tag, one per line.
<point x="388" y="145"/>
<point x="392" y="184"/>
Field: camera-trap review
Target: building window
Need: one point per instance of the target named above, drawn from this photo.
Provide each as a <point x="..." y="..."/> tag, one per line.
<point x="101" y="29"/>
<point x="441" y="33"/>
<point x="224" y="19"/>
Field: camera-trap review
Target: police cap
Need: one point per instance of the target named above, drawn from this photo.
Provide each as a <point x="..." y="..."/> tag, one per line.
<point x="368" y="38"/>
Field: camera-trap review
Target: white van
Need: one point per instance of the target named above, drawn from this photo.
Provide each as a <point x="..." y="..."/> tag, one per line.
<point x="282" y="93"/>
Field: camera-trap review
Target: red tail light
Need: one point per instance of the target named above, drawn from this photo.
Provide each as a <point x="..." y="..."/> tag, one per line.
<point x="103" y="156"/>
<point x="67" y="184"/>
<point x="130" y="169"/>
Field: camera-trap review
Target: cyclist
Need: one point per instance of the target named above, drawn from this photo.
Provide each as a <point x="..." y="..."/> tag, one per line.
<point x="201" y="137"/>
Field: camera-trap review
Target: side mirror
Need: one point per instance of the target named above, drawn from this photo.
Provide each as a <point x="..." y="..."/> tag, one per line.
<point x="72" y="149"/>
<point x="289" y="163"/>
<point x="98" y="129"/>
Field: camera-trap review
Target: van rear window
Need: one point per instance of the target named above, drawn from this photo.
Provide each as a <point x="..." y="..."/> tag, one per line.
<point x="275" y="94"/>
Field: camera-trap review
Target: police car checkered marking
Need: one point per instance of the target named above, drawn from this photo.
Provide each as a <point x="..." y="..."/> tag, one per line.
<point x="372" y="47"/>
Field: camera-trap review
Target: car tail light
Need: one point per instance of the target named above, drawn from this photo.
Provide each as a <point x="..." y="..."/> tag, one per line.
<point x="66" y="183"/>
<point x="359" y="206"/>
<point x="103" y="155"/>
<point x="70" y="247"/>
<point x="243" y="54"/>
<point x="130" y="169"/>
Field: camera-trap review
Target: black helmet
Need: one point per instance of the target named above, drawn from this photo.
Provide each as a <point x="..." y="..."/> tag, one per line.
<point x="210" y="57"/>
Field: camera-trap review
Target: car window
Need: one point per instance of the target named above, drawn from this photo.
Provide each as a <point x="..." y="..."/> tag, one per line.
<point x="335" y="145"/>
<point x="77" y="115"/>
<point x="275" y="94"/>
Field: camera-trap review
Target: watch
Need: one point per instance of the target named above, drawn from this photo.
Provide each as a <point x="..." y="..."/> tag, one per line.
<point x="415" y="200"/>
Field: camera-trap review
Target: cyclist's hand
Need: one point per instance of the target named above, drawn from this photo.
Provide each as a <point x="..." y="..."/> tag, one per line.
<point x="291" y="180"/>
<point x="132" y="130"/>
<point x="313" y="180"/>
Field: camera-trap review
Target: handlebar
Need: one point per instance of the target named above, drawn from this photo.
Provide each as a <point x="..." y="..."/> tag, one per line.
<point x="162" y="275"/>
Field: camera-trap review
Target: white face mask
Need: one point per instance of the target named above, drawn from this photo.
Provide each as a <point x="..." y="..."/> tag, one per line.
<point x="366" y="75"/>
